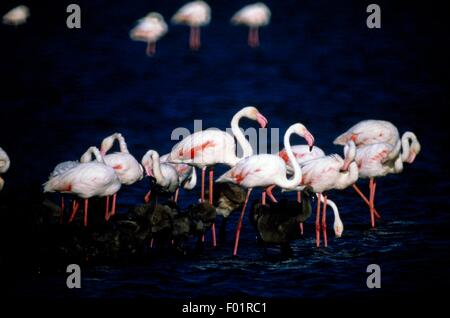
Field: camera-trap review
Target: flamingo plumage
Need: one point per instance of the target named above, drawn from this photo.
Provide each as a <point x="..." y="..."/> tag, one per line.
<point x="16" y="16"/>
<point x="4" y="166"/>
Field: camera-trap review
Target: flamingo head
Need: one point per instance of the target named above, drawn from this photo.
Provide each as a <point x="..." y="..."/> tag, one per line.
<point x="301" y="130"/>
<point x="349" y="154"/>
<point x="108" y="142"/>
<point x="338" y="228"/>
<point x="148" y="161"/>
<point x="414" y="150"/>
<point x="253" y="113"/>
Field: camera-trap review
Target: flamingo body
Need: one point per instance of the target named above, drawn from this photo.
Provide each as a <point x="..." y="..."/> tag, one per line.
<point x="16" y="16"/>
<point x="4" y="165"/>
<point x="369" y="132"/>
<point x="252" y="15"/>
<point x="195" y="13"/>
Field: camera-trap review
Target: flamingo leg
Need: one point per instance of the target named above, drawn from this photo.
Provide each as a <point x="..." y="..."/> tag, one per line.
<point x="377" y="215"/>
<point x="299" y="200"/>
<point x="318" y="221"/>
<point x="176" y="195"/>
<point x="192" y="38"/>
<point x="238" y="230"/>
<point x="151" y="48"/>
<point x="324" y="221"/>
<point x="202" y="199"/>
<point x="151" y="243"/>
<point x="107" y="209"/>
<point x="263" y="198"/>
<point x="269" y="193"/>
<point x="86" y="203"/>
<point x="75" y="206"/>
<point x="372" y="215"/>
<point x="113" y="209"/>
<point x="198" y="38"/>
<point x="256" y="38"/>
<point x="148" y="196"/>
<point x="62" y="210"/>
<point x="211" y="180"/>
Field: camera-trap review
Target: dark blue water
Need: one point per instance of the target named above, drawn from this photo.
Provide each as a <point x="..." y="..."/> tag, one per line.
<point x="64" y="90"/>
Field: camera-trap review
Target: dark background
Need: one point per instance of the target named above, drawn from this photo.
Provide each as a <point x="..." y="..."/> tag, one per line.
<point x="64" y="90"/>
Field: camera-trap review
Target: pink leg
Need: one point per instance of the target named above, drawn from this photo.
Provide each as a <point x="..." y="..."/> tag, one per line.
<point x="148" y="196"/>
<point x="251" y="37"/>
<point x="372" y="186"/>
<point x="318" y="221"/>
<point x="202" y="199"/>
<point x="75" y="206"/>
<point x="256" y="38"/>
<point x="269" y="193"/>
<point x="377" y="215"/>
<point x="324" y="221"/>
<point x="151" y="243"/>
<point x="113" y="210"/>
<point x="299" y="200"/>
<point x="198" y="38"/>
<point x="263" y="198"/>
<point x="176" y="195"/>
<point x="151" y="48"/>
<point x="85" y="212"/>
<point x="301" y="228"/>
<point x="211" y="180"/>
<point x="107" y="209"/>
<point x="192" y="38"/>
<point x="62" y="210"/>
<point x="238" y="230"/>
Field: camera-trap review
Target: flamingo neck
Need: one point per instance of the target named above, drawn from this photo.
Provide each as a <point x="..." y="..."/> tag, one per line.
<point x="157" y="168"/>
<point x="347" y="178"/>
<point x="407" y="138"/>
<point x="237" y="132"/>
<point x="338" y="225"/>
<point x="2" y="182"/>
<point x="92" y="151"/>
<point x="122" y="144"/>
<point x="297" y="176"/>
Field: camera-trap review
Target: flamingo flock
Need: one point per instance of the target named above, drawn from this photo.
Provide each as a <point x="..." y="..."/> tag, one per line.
<point x="372" y="149"/>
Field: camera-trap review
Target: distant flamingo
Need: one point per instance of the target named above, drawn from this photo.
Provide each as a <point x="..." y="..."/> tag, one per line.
<point x="206" y="148"/>
<point x="254" y="16"/>
<point x="327" y="173"/>
<point x="86" y="180"/>
<point x="127" y="168"/>
<point x="195" y="14"/>
<point x="149" y="29"/>
<point x="380" y="159"/>
<point x="165" y="174"/>
<point x="266" y="170"/>
<point x="16" y="16"/>
<point x="4" y="166"/>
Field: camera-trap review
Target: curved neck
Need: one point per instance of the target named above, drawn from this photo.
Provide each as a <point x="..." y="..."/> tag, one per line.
<point x="406" y="146"/>
<point x="297" y="177"/>
<point x="337" y="218"/>
<point x="87" y="156"/>
<point x="2" y="182"/>
<point x="395" y="152"/>
<point x="237" y="132"/>
<point x="122" y="144"/>
<point x="347" y="178"/>
<point x="156" y="167"/>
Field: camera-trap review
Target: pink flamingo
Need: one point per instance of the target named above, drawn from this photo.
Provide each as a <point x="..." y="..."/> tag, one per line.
<point x="266" y="171"/>
<point x="127" y="168"/>
<point x="86" y="180"/>
<point x="327" y="173"/>
<point x="16" y="16"/>
<point x="195" y="14"/>
<point x="254" y="16"/>
<point x="149" y="29"/>
<point x="4" y="165"/>
<point x="302" y="154"/>
<point x="206" y="148"/>
<point x="378" y="160"/>
<point x="187" y="177"/>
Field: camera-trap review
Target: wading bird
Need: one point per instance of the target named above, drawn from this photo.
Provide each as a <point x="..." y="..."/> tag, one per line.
<point x="254" y="16"/>
<point x="149" y="29"/>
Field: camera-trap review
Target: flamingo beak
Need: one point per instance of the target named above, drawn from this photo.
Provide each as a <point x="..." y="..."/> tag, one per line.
<point x="102" y="152"/>
<point x="310" y="140"/>
<point x="411" y="157"/>
<point x="345" y="166"/>
<point x="262" y="121"/>
<point x="149" y="172"/>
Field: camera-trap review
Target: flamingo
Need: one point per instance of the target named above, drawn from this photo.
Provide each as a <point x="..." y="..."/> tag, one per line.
<point x="187" y="177"/>
<point x="149" y="29"/>
<point x="165" y="174"/>
<point x="195" y="14"/>
<point x="4" y="166"/>
<point x="378" y="160"/>
<point x="16" y="16"/>
<point x="127" y="168"/>
<point x="206" y="148"/>
<point x="302" y="154"/>
<point x="266" y="170"/>
<point x="86" y="180"/>
<point x="254" y="16"/>
<point x="327" y="173"/>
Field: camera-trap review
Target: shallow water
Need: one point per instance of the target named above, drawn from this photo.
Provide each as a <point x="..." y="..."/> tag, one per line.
<point x="64" y="90"/>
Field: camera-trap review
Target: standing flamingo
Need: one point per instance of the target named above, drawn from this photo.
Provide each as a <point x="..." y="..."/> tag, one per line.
<point x="187" y="177"/>
<point x="206" y="148"/>
<point x="266" y="170"/>
<point x="86" y="180"/>
<point x="195" y="14"/>
<point x="127" y="168"/>
<point x="165" y="174"/>
<point x="16" y="16"/>
<point x="254" y="16"/>
<point x="302" y="154"/>
<point x="149" y="29"/>
<point x="380" y="159"/>
<point x="4" y="166"/>
<point x="327" y="173"/>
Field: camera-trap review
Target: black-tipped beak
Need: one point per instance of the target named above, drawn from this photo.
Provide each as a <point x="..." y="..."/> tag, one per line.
<point x="310" y="148"/>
